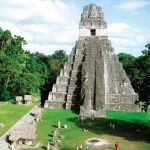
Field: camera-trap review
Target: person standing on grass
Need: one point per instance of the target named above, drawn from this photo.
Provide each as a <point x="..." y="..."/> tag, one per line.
<point x="110" y="126"/>
<point x="116" y="146"/>
<point x="80" y="147"/>
<point x="113" y="126"/>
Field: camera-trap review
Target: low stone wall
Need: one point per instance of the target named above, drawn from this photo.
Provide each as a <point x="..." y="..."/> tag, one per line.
<point x="88" y="112"/>
<point x="121" y="102"/>
<point x="54" y="104"/>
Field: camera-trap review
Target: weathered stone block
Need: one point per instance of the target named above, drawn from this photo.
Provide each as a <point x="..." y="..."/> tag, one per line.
<point x="28" y="99"/>
<point x="58" y="96"/>
<point x="73" y="98"/>
<point x="62" y="80"/>
<point x="19" y="100"/>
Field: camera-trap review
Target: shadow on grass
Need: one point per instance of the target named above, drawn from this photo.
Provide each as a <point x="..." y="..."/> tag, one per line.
<point x="50" y="135"/>
<point x="111" y="148"/>
<point x="133" y="131"/>
<point x="43" y="147"/>
<point x="65" y="148"/>
<point x="54" y="126"/>
<point x="75" y="111"/>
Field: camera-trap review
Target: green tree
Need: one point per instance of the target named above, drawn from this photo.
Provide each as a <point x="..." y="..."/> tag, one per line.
<point x="55" y="63"/>
<point x="20" y="71"/>
<point x="11" y="62"/>
<point x="144" y="71"/>
<point x="138" y="71"/>
<point x="128" y="61"/>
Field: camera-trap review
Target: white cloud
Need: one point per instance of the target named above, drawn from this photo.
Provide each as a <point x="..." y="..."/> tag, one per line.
<point x="43" y="23"/>
<point x="47" y="11"/>
<point x="49" y="25"/>
<point x="118" y="28"/>
<point x="47" y="49"/>
<point x="127" y="38"/>
<point x="133" y="4"/>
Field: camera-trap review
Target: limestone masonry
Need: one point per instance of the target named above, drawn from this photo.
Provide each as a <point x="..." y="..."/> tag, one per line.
<point x="93" y="79"/>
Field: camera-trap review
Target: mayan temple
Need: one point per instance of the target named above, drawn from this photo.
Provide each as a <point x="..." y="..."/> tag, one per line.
<point x="92" y="79"/>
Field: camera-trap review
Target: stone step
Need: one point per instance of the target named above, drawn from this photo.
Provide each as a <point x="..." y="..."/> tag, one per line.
<point x="78" y="58"/>
<point x="65" y="72"/>
<point x="57" y="96"/>
<point x="74" y="89"/>
<point x="75" y="74"/>
<point x="68" y="65"/>
<point x="72" y="106"/>
<point x="73" y="98"/>
<point x="62" y="80"/>
<point x="77" y="66"/>
<point x="74" y="81"/>
<point x="59" y="88"/>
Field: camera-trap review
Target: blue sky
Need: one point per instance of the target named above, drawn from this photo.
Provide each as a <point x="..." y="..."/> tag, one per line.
<point x="49" y="25"/>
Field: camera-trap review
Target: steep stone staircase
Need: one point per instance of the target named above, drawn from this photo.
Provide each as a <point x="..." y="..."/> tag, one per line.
<point x="66" y="91"/>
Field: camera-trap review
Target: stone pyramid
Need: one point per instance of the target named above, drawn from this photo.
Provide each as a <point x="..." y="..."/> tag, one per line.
<point x="92" y="79"/>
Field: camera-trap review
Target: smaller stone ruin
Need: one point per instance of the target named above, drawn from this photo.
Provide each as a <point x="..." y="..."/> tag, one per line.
<point x="19" y="100"/>
<point x="26" y="100"/>
<point x="36" y="114"/>
<point x="24" y="134"/>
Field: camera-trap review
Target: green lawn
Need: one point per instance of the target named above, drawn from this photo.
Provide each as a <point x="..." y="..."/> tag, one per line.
<point x="134" y="117"/>
<point x="9" y="114"/>
<point x="124" y="133"/>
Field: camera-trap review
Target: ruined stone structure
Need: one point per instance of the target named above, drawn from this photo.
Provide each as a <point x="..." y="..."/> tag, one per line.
<point x="26" y="100"/>
<point x="19" y="100"/>
<point x="24" y="133"/>
<point x="93" y="79"/>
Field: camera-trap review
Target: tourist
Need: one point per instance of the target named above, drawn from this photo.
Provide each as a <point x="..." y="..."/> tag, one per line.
<point x="82" y="117"/>
<point x="86" y="130"/>
<point x="84" y="120"/>
<point x="81" y="147"/>
<point x="113" y="126"/>
<point x="116" y="146"/>
<point x="110" y="125"/>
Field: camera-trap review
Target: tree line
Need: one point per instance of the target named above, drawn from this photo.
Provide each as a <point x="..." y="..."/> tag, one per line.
<point x="138" y="71"/>
<point x="23" y="72"/>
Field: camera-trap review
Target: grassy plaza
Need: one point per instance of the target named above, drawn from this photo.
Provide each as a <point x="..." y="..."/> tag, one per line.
<point x="124" y="132"/>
